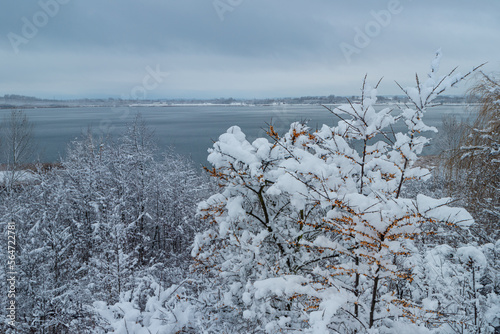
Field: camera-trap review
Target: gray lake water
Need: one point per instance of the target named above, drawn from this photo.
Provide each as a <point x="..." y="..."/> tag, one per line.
<point x="189" y="129"/>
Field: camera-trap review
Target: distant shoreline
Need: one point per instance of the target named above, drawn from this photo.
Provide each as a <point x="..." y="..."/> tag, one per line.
<point x="11" y="101"/>
<point x="166" y="105"/>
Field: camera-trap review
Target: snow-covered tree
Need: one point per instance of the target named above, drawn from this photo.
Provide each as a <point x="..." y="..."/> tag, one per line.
<point x="310" y="232"/>
<point x="17" y="146"/>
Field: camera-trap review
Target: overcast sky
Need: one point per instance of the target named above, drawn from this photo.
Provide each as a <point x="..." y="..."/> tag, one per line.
<point x="236" y="48"/>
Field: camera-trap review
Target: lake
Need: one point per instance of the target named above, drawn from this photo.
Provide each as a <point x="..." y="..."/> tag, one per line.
<point x="189" y="129"/>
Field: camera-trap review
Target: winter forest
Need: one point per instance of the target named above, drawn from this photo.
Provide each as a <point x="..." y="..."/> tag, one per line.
<point x="339" y="229"/>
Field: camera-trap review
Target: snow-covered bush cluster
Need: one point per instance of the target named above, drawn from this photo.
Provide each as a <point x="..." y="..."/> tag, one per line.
<point x="308" y="232"/>
<point x="113" y="214"/>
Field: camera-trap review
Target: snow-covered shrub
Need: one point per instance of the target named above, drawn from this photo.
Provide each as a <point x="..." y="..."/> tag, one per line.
<point x="462" y="285"/>
<point x="310" y="233"/>
<point x="474" y="165"/>
<point x="165" y="310"/>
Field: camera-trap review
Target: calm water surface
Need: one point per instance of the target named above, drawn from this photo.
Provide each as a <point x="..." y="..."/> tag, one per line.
<point x="189" y="129"/>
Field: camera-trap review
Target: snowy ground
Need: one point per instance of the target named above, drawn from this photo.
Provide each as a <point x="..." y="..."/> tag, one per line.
<point x="21" y="176"/>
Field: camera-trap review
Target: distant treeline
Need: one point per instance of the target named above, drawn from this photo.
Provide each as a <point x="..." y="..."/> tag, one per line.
<point x="11" y="101"/>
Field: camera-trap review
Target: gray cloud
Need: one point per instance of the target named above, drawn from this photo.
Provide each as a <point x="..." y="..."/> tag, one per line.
<point x="261" y="48"/>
